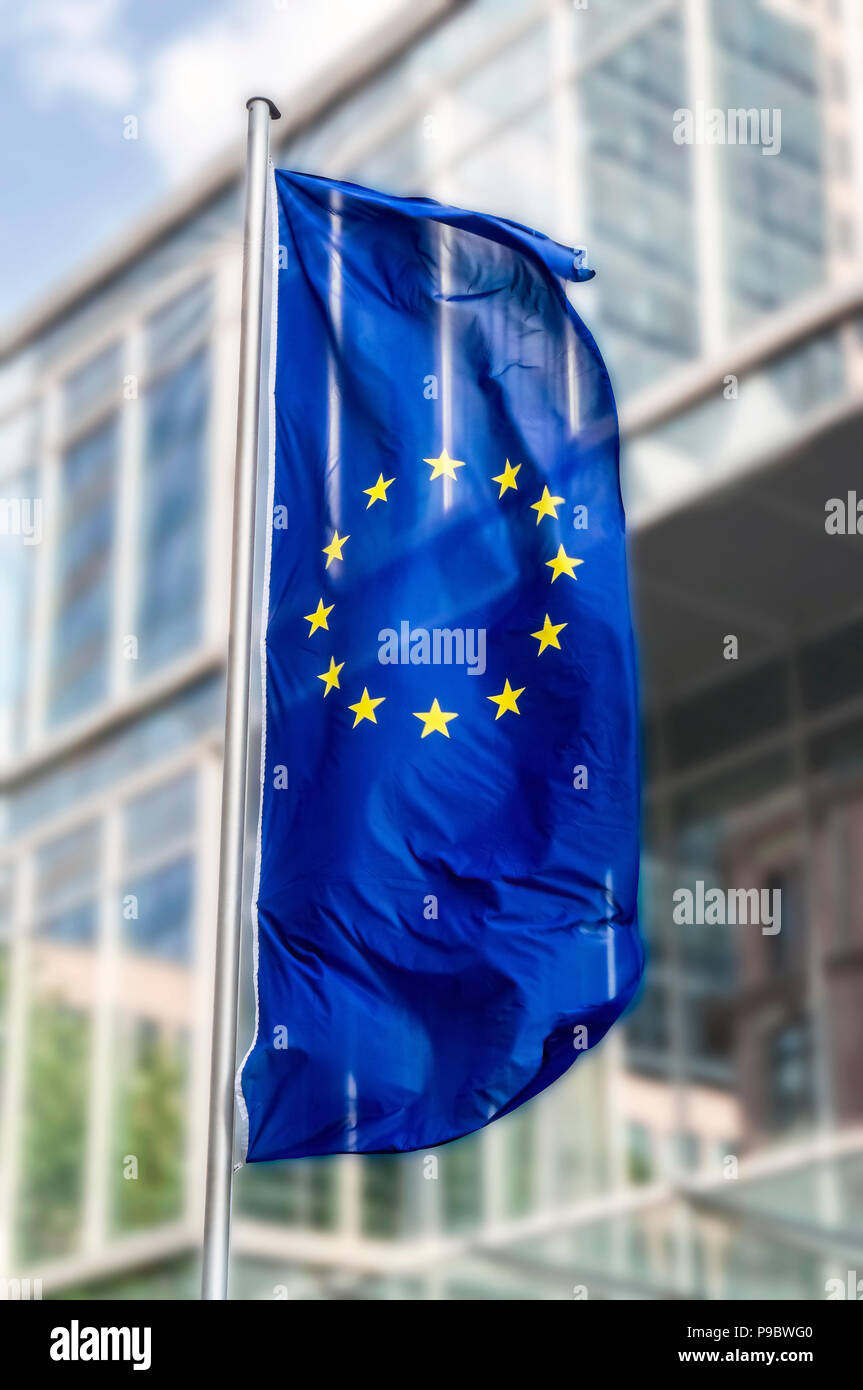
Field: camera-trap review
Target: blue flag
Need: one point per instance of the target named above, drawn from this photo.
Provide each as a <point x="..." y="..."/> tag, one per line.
<point x="448" y="850"/>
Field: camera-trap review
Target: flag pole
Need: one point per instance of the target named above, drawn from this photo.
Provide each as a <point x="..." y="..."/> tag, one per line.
<point x="217" y="1213"/>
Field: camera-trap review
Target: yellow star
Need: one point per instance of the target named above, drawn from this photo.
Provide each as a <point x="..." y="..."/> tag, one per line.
<point x="506" y="700"/>
<point x="436" y="719"/>
<point x="443" y="467"/>
<point x="563" y="564"/>
<point x="546" y="506"/>
<point x="507" y="479"/>
<point x="333" y="551"/>
<point x="378" y="493"/>
<point x="548" y="635"/>
<point x="331" y="677"/>
<point x="365" y="708"/>
<point x="319" y="617"/>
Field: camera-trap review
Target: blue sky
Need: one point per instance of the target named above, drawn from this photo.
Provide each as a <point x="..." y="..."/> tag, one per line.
<point x="71" y="71"/>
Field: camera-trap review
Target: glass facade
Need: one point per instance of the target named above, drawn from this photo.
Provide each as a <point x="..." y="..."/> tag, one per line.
<point x="119" y="424"/>
<point x="169" y="608"/>
<point x="81" y="638"/>
<point x="774" y="207"/>
<point x="639" y="196"/>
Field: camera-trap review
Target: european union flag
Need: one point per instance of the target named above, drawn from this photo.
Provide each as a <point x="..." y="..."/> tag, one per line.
<point x="448" y="853"/>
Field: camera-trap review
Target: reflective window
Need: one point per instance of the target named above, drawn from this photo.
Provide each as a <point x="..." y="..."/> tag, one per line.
<point x="647" y="1028"/>
<point x="789" y="1065"/>
<point x="394" y="165"/>
<point x="293" y="1194"/>
<point x="384" y="1183"/>
<point x="159" y="880"/>
<point x="49" y="1203"/>
<point x="461" y="1171"/>
<point x="149" y="1124"/>
<point x="6" y="902"/>
<point x="67" y="886"/>
<point x="773" y="200"/>
<point x="594" y="23"/>
<point x="21" y="530"/>
<point x="501" y="86"/>
<point x="646" y="296"/>
<point x="704" y="440"/>
<point x="160" y="924"/>
<point x="785" y="953"/>
<point x="171" y="554"/>
<point x="83" y="590"/>
<point x="174" y="331"/>
<point x="21" y="523"/>
<point x="58" y="1032"/>
<point x="519" y="1142"/>
<point x="161" y="817"/>
<point x="639" y="1154"/>
<point x="198" y="710"/>
<point x="96" y="383"/>
<point x="482" y="179"/>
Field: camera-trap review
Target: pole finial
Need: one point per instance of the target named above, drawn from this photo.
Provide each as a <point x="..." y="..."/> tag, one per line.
<point x="275" y="113"/>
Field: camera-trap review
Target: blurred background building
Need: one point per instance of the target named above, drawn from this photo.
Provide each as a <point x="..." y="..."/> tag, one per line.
<point x="712" y="1146"/>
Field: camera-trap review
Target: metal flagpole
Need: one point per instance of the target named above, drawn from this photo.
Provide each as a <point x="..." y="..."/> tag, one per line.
<point x="217" y="1215"/>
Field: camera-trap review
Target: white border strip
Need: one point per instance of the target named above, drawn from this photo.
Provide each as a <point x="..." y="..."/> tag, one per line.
<point x="265" y="614"/>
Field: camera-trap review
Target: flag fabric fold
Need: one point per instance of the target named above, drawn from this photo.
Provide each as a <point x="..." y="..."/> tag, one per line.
<point x="446" y="881"/>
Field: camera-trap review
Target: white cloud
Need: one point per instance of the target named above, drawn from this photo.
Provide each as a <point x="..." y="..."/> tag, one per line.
<point x="77" y="20"/>
<point x="189" y="93"/>
<point x="69" y="46"/>
<point x="198" y="83"/>
<point x="95" y="73"/>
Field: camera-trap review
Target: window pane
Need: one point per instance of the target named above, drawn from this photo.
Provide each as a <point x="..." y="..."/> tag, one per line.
<point x="21" y="518"/>
<point x="160" y="817"/>
<point x="594" y="24"/>
<point x="790" y="1074"/>
<point x="163" y="902"/>
<point x="49" y="1206"/>
<point x="171" y="557"/>
<point x="483" y="178"/>
<point x="149" y="1126"/>
<point x="383" y="1187"/>
<point x="66" y="867"/>
<point x="92" y="385"/>
<point x="79" y="668"/>
<point x="500" y="87"/>
<point x="66" y="885"/>
<point x="645" y="289"/>
<point x="176" y="329"/>
<point x="6" y="908"/>
<point x="775" y="210"/>
<point x="461" y="1170"/>
<point x="292" y="1194"/>
<point x="518" y="1140"/>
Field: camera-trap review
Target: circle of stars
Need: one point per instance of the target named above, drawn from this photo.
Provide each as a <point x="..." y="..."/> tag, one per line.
<point x="435" y="720"/>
